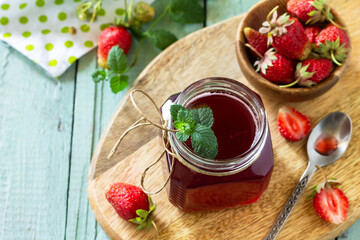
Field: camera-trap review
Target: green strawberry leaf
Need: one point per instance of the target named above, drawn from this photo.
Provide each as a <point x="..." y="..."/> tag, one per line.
<point x="99" y="75"/>
<point x="186" y="11"/>
<point x="119" y="82"/>
<point x="174" y="109"/>
<point x="204" y="141"/>
<point x="161" y="38"/>
<point x="203" y="116"/>
<point x="117" y="60"/>
<point x="142" y="213"/>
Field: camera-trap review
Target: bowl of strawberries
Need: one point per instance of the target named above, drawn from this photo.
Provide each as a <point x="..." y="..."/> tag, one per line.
<point x="294" y="50"/>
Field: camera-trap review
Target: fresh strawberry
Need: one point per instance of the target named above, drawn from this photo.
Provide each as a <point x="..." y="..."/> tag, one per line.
<point x="287" y="35"/>
<point x="311" y="33"/>
<point x="329" y="202"/>
<point x="311" y="72"/>
<point x="110" y="37"/>
<point x="257" y="40"/>
<point x="131" y="203"/>
<point x="274" y="67"/>
<point x="292" y="124"/>
<point x="310" y="11"/>
<point x="333" y="43"/>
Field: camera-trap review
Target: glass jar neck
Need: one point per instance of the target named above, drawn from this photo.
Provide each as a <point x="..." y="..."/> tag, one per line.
<point x="248" y="98"/>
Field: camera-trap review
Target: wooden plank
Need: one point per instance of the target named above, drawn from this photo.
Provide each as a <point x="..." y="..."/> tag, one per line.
<point x="290" y="158"/>
<point x="35" y="135"/>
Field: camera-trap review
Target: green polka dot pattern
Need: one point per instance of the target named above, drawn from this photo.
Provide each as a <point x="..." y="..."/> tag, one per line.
<point x="53" y="63"/>
<point x="7" y="35"/>
<point x="29" y="47"/>
<point x="69" y="44"/>
<point x="49" y="46"/>
<point x="40" y="3"/>
<point x="120" y="11"/>
<point x="43" y="18"/>
<point x="23" y="5"/>
<point x="4" y="21"/>
<point x="46" y="31"/>
<point x="103" y="26"/>
<point x="59" y="2"/>
<point x="65" y="29"/>
<point x="23" y="20"/>
<point x="62" y="16"/>
<point x="26" y="34"/>
<point x="88" y="44"/>
<point x="101" y="12"/>
<point x="5" y="6"/>
<point x="85" y="28"/>
<point x="72" y="59"/>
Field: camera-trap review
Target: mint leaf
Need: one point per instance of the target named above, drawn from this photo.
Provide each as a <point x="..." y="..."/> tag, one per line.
<point x="119" y="82"/>
<point x="161" y="38"/>
<point x="117" y="59"/>
<point x="184" y="122"/>
<point x="99" y="75"/>
<point x="203" y="116"/>
<point x="174" y="109"/>
<point x="204" y="142"/>
<point x="182" y="136"/>
<point x="186" y="11"/>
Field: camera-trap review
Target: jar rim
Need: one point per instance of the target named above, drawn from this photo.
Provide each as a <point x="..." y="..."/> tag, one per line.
<point x="248" y="97"/>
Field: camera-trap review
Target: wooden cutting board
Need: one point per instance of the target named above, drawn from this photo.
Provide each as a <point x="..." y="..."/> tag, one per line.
<point x="211" y="52"/>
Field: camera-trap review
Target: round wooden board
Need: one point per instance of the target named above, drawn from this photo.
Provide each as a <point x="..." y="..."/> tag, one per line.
<point x="211" y="52"/>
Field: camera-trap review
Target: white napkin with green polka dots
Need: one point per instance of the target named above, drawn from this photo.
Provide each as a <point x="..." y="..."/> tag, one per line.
<point x="39" y="29"/>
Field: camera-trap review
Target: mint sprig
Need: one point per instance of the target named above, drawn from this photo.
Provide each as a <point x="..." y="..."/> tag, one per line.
<point x="196" y="123"/>
<point x="117" y="62"/>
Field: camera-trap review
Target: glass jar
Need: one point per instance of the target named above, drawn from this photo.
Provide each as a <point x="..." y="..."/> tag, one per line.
<point x="200" y="184"/>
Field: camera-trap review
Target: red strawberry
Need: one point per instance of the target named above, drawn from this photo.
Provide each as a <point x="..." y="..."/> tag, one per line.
<point x="257" y="40"/>
<point x="131" y="203"/>
<point x="310" y="11"/>
<point x="330" y="203"/>
<point x="292" y="124"/>
<point x="311" y="33"/>
<point x="333" y="43"/>
<point x="311" y="72"/>
<point x="287" y="35"/>
<point x="274" y="67"/>
<point x="110" y="37"/>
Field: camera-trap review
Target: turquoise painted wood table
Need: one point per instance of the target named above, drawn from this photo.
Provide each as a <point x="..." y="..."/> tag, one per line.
<point x="48" y="131"/>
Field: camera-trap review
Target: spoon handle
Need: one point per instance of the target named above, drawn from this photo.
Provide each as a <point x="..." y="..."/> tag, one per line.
<point x="274" y="231"/>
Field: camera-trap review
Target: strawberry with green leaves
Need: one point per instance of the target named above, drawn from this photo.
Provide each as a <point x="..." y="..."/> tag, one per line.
<point x="131" y="204"/>
<point x="274" y="67"/>
<point x="310" y="11"/>
<point x="311" y="72"/>
<point x="287" y="35"/>
<point x="110" y="37"/>
<point x="330" y="203"/>
<point x="333" y="43"/>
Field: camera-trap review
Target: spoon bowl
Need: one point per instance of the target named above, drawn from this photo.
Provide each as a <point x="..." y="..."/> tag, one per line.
<point x="336" y="124"/>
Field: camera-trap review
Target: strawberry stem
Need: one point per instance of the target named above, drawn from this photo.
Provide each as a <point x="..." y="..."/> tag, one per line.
<point x="332" y="21"/>
<point x="254" y="50"/>
<point x="322" y="171"/>
<point x="269" y="15"/>
<point x="334" y="58"/>
<point x="290" y="84"/>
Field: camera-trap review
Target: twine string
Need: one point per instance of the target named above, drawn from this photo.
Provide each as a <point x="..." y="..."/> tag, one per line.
<point x="145" y="121"/>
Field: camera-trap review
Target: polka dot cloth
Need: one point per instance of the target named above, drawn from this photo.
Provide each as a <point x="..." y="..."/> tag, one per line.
<point x="39" y="29"/>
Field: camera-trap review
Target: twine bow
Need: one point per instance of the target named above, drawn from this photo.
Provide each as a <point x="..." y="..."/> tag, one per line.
<point x="145" y="121"/>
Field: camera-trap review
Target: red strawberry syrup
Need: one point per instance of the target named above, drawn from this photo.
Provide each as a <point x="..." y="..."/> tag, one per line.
<point x="326" y="144"/>
<point x="235" y="127"/>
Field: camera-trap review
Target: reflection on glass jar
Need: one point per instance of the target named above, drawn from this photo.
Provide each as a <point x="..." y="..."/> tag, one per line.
<point x="242" y="169"/>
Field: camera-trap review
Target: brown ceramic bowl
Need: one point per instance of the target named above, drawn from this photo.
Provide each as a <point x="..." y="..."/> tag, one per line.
<point x="254" y="18"/>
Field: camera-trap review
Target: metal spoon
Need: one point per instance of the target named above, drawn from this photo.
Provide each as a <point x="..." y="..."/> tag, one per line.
<point x="337" y="124"/>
